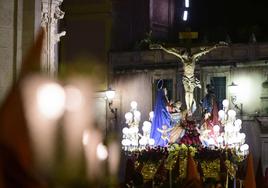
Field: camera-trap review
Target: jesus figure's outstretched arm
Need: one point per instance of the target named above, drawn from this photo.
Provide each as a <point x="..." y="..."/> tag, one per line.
<point x="172" y="51"/>
<point x="196" y="56"/>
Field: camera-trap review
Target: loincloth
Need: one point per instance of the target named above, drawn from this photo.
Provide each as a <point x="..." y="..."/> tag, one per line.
<point x="190" y="83"/>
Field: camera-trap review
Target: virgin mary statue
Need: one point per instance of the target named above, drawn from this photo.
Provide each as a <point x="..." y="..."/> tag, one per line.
<point x="161" y="126"/>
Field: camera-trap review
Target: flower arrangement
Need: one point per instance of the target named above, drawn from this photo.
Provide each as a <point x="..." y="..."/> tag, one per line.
<point x="152" y="154"/>
<point x="212" y="163"/>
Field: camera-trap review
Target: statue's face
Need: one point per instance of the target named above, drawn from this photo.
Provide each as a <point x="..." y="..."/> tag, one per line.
<point x="185" y="55"/>
<point x="178" y="104"/>
<point x="165" y="91"/>
<point x="210" y="88"/>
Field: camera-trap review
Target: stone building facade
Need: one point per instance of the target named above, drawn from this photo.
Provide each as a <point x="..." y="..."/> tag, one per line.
<point x="20" y="21"/>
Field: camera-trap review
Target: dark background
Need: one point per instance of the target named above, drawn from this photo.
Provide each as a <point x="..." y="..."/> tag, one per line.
<point x="217" y="18"/>
<point x="97" y="27"/>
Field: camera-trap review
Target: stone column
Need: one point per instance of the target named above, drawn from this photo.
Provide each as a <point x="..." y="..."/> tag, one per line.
<point x="50" y="15"/>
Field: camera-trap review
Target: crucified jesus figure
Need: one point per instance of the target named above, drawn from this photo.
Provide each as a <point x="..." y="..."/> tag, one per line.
<point x="188" y="60"/>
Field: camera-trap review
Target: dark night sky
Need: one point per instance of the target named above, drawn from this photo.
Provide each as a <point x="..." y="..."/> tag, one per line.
<point x="230" y="12"/>
<point x="236" y="18"/>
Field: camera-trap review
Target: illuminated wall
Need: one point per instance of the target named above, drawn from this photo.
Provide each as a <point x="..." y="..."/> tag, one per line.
<point x="138" y="86"/>
<point x="6" y="45"/>
<point x="249" y="79"/>
<point x="19" y="22"/>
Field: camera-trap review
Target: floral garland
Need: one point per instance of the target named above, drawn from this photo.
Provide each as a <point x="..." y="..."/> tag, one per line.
<point x="151" y="154"/>
<point x="212" y="163"/>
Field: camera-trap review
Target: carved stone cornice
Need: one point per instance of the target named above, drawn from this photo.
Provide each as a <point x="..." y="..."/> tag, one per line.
<point x="234" y="53"/>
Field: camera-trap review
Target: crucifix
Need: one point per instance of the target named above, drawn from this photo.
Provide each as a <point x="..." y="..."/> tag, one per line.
<point x="190" y="82"/>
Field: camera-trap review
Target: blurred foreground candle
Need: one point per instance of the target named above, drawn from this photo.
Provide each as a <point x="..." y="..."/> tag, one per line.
<point x="102" y="152"/>
<point x="51" y="100"/>
<point x="78" y="117"/>
<point x="85" y="139"/>
<point x="114" y="157"/>
<point x="74" y="98"/>
<point x="93" y="150"/>
<point x="44" y="101"/>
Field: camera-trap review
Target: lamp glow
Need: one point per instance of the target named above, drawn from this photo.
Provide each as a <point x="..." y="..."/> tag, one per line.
<point x="110" y="94"/>
<point x="187" y="3"/>
<point x="142" y="141"/>
<point x="128" y="116"/>
<point x="244" y="147"/>
<point x="211" y="141"/>
<point x="85" y="139"/>
<point x="151" y="142"/>
<point x="51" y="100"/>
<point x="185" y="15"/>
<point x="219" y="139"/>
<point x="238" y="122"/>
<point x="231" y="113"/>
<point x="216" y="128"/>
<point x="137" y="114"/>
<point x="242" y="135"/>
<point x="230" y="136"/>
<point x="134" y="129"/>
<point x="102" y="152"/>
<point x="225" y="103"/>
<point x="233" y="88"/>
<point x="151" y="115"/>
<point x="125" y="130"/>
<point x="133" y="105"/>
<point x="126" y="142"/>
<point x="221" y="114"/>
<point x="146" y="126"/>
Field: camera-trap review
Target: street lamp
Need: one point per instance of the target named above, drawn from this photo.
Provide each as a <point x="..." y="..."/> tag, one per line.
<point x="110" y="94"/>
<point x="233" y="89"/>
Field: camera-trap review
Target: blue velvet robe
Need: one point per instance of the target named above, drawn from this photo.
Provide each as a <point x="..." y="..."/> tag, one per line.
<point x="161" y="117"/>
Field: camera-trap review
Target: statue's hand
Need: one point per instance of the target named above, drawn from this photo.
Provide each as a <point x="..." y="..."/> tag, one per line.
<point x="155" y="47"/>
